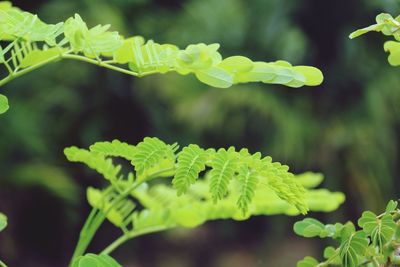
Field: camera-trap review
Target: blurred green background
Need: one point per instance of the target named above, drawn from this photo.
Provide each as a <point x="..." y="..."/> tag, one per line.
<point x="347" y="128"/>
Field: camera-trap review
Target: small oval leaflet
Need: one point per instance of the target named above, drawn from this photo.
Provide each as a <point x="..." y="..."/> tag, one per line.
<point x="216" y="77"/>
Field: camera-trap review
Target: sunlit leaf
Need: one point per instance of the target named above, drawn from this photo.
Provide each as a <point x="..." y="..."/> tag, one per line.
<point x="216" y="77"/>
<point x="92" y="42"/>
<point x="236" y="64"/>
<point x="313" y="76"/>
<point x="393" y="48"/>
<point x="19" y="24"/>
<point x="40" y="56"/>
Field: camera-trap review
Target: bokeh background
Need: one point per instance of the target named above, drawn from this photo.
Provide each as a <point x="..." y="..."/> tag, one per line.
<point x="348" y="128"/>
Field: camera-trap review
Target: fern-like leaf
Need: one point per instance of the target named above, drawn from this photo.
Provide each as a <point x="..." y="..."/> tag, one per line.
<point x="115" y="148"/>
<point x="95" y="161"/>
<point x="283" y="183"/>
<point x="389" y="26"/>
<point x="249" y="180"/>
<point x="153" y="158"/>
<point x="191" y="161"/>
<point x="385" y="23"/>
<point x="17" y="24"/>
<point x="224" y="164"/>
<point x="150" y="152"/>
<point x="118" y="214"/>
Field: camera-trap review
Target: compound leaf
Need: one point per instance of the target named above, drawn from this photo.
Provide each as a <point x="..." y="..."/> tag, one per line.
<point x="152" y="152"/>
<point x="224" y="164"/>
<point x="283" y="183"/>
<point x="381" y="230"/>
<point x="115" y="148"/>
<point x="352" y="248"/>
<point x="18" y="24"/>
<point x="248" y="180"/>
<point x="94" y="161"/>
<point x="92" y="42"/>
<point x="117" y="214"/>
<point x="191" y="161"/>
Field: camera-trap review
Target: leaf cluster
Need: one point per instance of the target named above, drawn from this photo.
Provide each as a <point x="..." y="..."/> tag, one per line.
<point x="388" y="26"/>
<point x="194" y="185"/>
<point x="32" y="43"/>
<point x="375" y="244"/>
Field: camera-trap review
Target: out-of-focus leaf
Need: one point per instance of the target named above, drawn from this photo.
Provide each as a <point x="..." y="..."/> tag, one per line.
<point x="391" y="206"/>
<point x="310" y="179"/>
<point x="307" y="262"/>
<point x="92" y="42"/>
<point x="3" y="221"/>
<point x="3" y="104"/>
<point x="393" y="48"/>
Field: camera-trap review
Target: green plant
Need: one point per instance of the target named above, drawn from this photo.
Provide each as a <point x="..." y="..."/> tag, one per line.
<point x="376" y="244"/>
<point x="33" y="44"/>
<point x="206" y="184"/>
<point x="389" y="26"/>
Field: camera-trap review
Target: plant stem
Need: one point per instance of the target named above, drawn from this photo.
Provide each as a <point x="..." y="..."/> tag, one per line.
<point x="2" y="264"/>
<point x="14" y="75"/>
<point x="93" y="223"/>
<point x="122" y="239"/>
<point x="96" y="217"/>
<point x="67" y="55"/>
<point x="86" y="233"/>
<point x="99" y="63"/>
